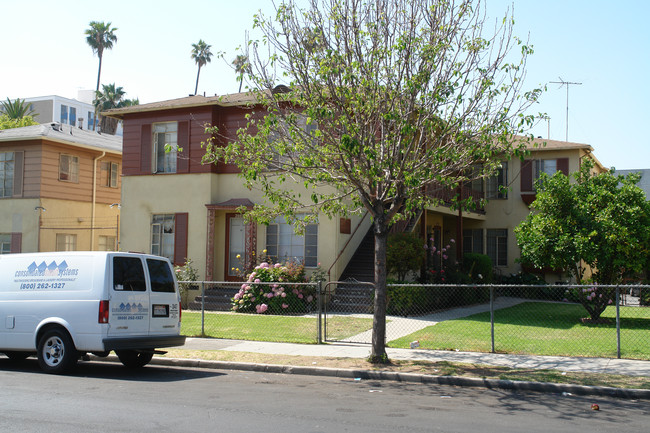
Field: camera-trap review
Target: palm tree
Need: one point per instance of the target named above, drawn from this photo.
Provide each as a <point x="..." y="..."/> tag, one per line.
<point x="242" y="66"/>
<point x="201" y="55"/>
<point x="16" y="109"/>
<point x="100" y="36"/>
<point x="111" y="97"/>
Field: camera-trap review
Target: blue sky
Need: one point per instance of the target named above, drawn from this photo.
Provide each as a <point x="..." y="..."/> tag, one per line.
<point x="604" y="45"/>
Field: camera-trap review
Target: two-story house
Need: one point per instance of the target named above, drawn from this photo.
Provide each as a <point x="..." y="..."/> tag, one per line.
<point x="59" y="189"/>
<point x="175" y="206"/>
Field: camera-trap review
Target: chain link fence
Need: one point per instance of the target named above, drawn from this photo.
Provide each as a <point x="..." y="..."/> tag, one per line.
<point x="518" y="319"/>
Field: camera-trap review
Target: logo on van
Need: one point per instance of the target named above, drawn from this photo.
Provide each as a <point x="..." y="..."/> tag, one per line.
<point x="51" y="270"/>
<point x="130" y="308"/>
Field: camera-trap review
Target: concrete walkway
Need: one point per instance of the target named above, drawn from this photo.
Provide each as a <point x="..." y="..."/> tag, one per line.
<point x="398" y="327"/>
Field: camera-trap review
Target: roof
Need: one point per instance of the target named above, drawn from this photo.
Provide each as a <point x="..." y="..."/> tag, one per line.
<point x="64" y="134"/>
<point x="234" y="99"/>
<point x="644" y="182"/>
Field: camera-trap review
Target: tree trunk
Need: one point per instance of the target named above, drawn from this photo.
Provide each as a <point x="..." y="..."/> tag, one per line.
<point x="378" y="354"/>
<point x="99" y="74"/>
<point x="196" y="88"/>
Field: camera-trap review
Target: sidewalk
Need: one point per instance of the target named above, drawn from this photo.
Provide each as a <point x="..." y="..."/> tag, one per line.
<point x="349" y="350"/>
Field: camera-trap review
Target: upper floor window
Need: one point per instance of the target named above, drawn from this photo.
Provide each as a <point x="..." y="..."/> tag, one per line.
<point x="496" y="186"/>
<point x="69" y="168"/>
<point x="91" y="120"/>
<point x="73" y="116"/>
<point x="64" y="113"/>
<point x="6" y="174"/>
<point x="282" y="243"/>
<point x="165" y="145"/>
<point x="110" y="173"/>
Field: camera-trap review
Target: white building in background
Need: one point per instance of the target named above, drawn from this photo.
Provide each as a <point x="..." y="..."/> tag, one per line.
<point x="78" y="112"/>
<point x="67" y="111"/>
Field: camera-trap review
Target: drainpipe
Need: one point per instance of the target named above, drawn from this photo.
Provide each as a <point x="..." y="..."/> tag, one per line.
<point x="92" y="212"/>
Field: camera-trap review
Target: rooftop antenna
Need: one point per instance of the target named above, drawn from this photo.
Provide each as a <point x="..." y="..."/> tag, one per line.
<point x="567" y="84"/>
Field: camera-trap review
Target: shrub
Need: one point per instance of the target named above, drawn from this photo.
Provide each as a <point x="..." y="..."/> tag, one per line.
<point x="186" y="273"/>
<point x="404" y="254"/>
<point x="478" y="267"/>
<point x="269" y="289"/>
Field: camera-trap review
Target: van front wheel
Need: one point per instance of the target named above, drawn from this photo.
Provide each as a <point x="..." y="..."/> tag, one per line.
<point x="133" y="358"/>
<point x="56" y="352"/>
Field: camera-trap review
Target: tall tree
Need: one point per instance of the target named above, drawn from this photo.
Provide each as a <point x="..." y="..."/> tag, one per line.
<point x="386" y="100"/>
<point x="111" y="97"/>
<point x="242" y="66"/>
<point x="100" y="36"/>
<point x="597" y="228"/>
<point x="202" y="55"/>
<point x="16" y="109"/>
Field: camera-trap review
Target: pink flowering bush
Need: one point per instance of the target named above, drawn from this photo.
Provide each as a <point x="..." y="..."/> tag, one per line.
<point x="594" y="298"/>
<point x="271" y="288"/>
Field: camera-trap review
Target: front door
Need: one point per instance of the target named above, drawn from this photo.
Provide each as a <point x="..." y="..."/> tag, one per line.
<point x="235" y="247"/>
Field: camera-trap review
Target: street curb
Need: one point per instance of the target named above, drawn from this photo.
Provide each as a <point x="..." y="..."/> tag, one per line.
<point x="556" y="388"/>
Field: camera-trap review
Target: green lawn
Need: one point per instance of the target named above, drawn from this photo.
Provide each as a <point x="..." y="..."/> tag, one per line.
<point x="541" y="328"/>
<point x="288" y="329"/>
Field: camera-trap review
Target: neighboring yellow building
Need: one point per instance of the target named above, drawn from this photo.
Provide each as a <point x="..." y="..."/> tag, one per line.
<point x="174" y="206"/>
<point x="59" y="189"/>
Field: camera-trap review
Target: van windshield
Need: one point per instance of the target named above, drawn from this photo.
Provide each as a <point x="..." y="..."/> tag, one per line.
<point x="162" y="279"/>
<point x="128" y="274"/>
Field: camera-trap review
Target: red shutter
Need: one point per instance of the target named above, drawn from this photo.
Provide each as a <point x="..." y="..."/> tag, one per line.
<point x="183" y="158"/>
<point x="563" y="165"/>
<point x="180" y="238"/>
<point x="526" y="175"/>
<point x="145" y="150"/>
<point x="16" y="243"/>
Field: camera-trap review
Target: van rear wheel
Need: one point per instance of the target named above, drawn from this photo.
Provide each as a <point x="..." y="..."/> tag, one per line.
<point x="56" y="352"/>
<point x="134" y="358"/>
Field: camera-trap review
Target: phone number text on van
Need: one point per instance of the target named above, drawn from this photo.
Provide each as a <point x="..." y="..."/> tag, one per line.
<point x="41" y="286"/>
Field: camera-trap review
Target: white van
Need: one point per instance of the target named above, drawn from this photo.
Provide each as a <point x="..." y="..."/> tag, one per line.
<point x="64" y="305"/>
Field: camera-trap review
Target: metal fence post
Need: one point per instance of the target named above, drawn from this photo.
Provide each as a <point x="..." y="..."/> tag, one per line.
<point x="320" y="312"/>
<point x="618" y="322"/>
<point x="202" y="308"/>
<point x="492" y="316"/>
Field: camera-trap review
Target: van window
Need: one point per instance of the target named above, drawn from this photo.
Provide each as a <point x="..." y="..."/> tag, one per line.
<point x="128" y="274"/>
<point x="161" y="276"/>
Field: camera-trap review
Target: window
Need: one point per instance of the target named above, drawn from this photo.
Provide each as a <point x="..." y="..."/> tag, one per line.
<point x="162" y="236"/>
<point x="7" y="174"/>
<point x="162" y="279"/>
<point x="5" y="243"/>
<point x="497" y="246"/>
<point x="128" y="274"/>
<point x="473" y="241"/>
<point x="110" y="171"/>
<point x="282" y="243"/>
<point x="66" y="242"/>
<point x="91" y="119"/>
<point x="165" y="147"/>
<point x="73" y="116"/>
<point x="64" y="113"/>
<point x="69" y="168"/>
<point x="497" y="184"/>
<point x="107" y="243"/>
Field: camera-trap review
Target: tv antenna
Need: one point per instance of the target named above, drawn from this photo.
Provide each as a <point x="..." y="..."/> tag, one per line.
<point x="567" y="84"/>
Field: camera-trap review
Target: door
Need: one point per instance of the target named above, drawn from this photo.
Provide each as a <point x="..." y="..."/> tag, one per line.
<point x="130" y="308"/>
<point x="235" y="247"/>
<point x="165" y="303"/>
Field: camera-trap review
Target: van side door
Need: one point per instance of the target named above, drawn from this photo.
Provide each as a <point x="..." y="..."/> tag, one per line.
<point x="130" y="308"/>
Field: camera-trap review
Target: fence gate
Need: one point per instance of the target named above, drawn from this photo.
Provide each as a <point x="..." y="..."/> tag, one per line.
<point x="347" y="311"/>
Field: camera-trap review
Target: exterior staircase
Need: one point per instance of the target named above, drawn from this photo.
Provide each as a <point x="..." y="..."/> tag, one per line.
<point x="217" y="298"/>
